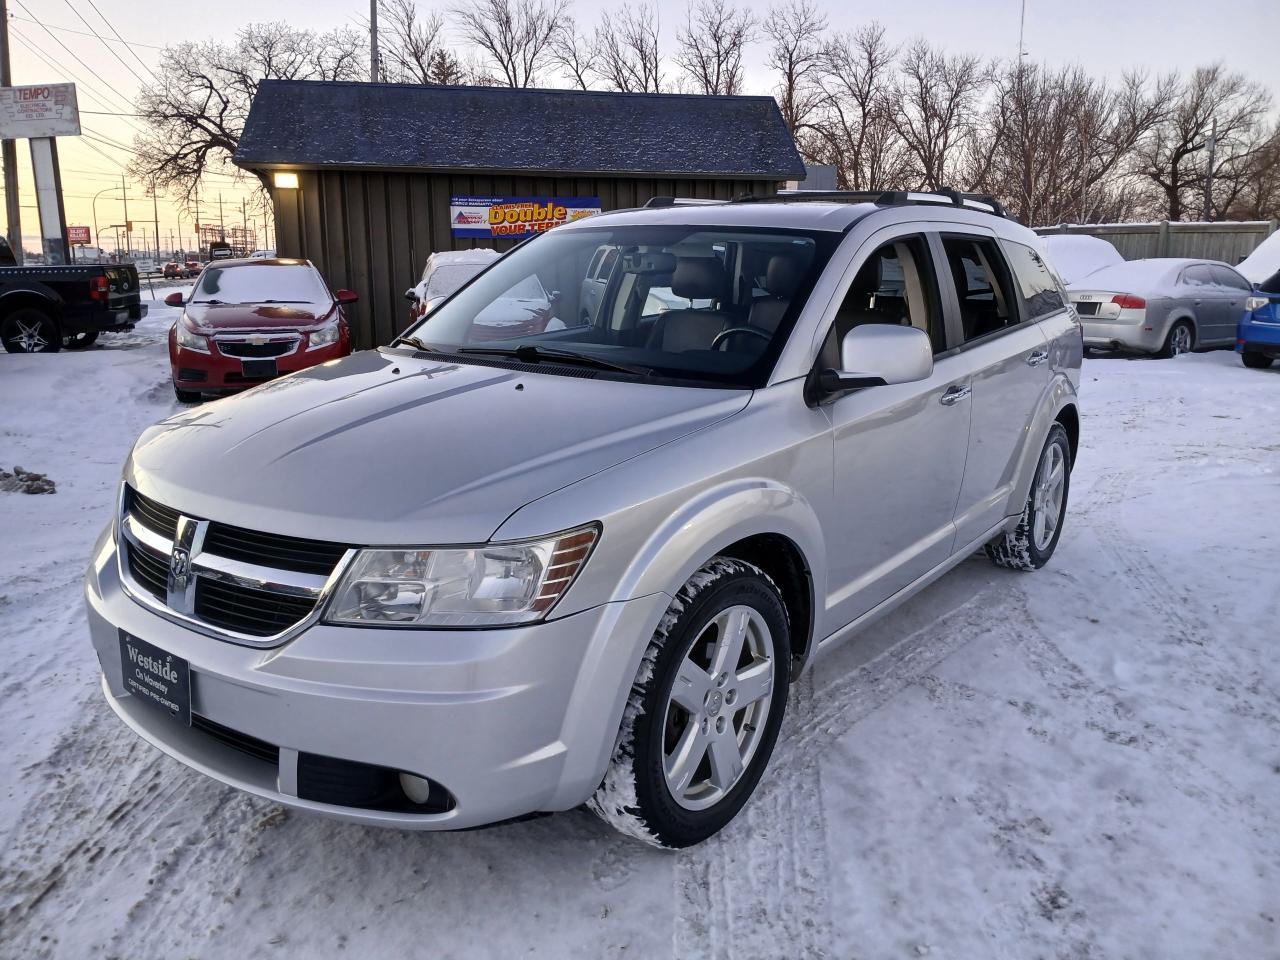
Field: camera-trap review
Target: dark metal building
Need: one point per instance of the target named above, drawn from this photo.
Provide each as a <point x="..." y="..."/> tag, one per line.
<point x="370" y="179"/>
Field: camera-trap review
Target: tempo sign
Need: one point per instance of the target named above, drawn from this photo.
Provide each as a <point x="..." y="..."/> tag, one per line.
<point x="49" y="110"/>
<point x="494" y="217"/>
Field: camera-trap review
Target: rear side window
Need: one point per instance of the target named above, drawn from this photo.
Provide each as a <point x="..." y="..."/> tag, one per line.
<point x="1040" y="293"/>
<point x="1198" y="276"/>
<point x="982" y="284"/>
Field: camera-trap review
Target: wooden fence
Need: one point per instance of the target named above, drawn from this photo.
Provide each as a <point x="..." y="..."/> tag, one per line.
<point x="1228" y="242"/>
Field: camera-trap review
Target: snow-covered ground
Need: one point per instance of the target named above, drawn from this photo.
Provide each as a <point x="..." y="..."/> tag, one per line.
<point x="1082" y="762"/>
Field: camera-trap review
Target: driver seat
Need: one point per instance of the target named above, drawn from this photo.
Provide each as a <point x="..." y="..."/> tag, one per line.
<point x="781" y="280"/>
<point x="694" y="278"/>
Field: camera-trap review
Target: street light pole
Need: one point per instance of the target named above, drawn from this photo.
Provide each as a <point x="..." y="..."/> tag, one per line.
<point x="95" y="218"/>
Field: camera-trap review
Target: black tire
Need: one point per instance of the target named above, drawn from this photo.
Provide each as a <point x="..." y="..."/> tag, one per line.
<point x="30" y="330"/>
<point x="1255" y="360"/>
<point x="634" y="796"/>
<point x="80" y="341"/>
<point x="1171" y="346"/>
<point x="1018" y="550"/>
<point x="187" y="396"/>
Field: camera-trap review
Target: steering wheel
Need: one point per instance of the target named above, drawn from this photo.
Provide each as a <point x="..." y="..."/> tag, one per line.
<point x="754" y="331"/>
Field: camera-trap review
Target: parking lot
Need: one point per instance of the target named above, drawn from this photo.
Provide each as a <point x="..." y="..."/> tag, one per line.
<point x="1079" y="763"/>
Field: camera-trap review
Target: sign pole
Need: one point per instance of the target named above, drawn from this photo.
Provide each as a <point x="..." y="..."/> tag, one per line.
<point x="53" y="224"/>
<point x="9" y="149"/>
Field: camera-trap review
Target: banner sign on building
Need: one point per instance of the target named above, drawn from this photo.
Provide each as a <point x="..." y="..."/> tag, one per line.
<point x="78" y="235"/>
<point x="47" y="110"/>
<point x="494" y="217"/>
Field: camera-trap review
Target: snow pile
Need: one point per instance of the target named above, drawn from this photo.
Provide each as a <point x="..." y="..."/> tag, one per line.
<point x="1075" y="257"/>
<point x="1264" y="262"/>
<point x="24" y="481"/>
<point x="1078" y="762"/>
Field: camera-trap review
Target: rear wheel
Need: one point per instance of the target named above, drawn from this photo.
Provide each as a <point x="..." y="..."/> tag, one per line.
<point x="1032" y="542"/>
<point x="30" y="330"/>
<point x="704" y="710"/>
<point x="1181" y="339"/>
<point x="1255" y="360"/>
<point x="80" y="341"/>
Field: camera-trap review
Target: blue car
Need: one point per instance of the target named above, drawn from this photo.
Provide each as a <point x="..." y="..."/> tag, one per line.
<point x="1258" y="333"/>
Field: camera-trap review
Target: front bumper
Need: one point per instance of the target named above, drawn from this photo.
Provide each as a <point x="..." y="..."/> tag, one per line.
<point x="1256" y="335"/>
<point x="215" y="372"/>
<point x="509" y="721"/>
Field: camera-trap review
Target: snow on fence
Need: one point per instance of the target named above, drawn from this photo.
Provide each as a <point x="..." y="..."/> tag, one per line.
<point x="1229" y="242"/>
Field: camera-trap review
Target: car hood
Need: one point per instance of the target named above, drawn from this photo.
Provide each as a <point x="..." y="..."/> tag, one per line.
<point x="385" y="447"/>
<point x="257" y="316"/>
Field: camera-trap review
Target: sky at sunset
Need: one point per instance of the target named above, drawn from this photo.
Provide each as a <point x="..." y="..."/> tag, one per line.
<point x="1105" y="37"/>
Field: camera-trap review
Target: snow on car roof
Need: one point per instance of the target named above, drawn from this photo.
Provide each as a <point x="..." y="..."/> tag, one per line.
<point x="1138" y="276"/>
<point x="479" y="255"/>
<point x="1075" y="257"/>
<point x="1264" y="262"/>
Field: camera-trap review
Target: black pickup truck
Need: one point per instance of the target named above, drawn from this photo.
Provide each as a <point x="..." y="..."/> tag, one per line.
<point x="43" y="309"/>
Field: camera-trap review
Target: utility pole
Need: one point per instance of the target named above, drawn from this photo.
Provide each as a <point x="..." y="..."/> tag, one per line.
<point x="373" y="41"/>
<point x="155" y="217"/>
<point x="9" y="149"/>
<point x="222" y="229"/>
<point x="244" y="225"/>
<point x="1208" y="174"/>
<point x="1022" y="23"/>
<point x="127" y="241"/>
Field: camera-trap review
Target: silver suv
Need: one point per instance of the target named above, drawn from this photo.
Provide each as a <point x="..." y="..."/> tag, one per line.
<point x="509" y="567"/>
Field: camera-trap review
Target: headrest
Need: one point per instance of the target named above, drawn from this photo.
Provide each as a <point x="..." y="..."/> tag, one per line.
<point x="782" y="276"/>
<point x="699" y="278"/>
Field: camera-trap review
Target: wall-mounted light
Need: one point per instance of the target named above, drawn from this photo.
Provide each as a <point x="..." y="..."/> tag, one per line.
<point x="286" y="181"/>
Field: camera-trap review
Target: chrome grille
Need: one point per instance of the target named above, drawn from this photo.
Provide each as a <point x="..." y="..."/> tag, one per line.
<point x="250" y="349"/>
<point x="241" y="585"/>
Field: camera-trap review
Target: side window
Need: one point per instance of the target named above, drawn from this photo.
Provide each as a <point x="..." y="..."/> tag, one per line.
<point x="605" y="267"/>
<point x="982" y="285"/>
<point x="1197" y="276"/>
<point x="1231" y="280"/>
<point x="1040" y="294"/>
<point x="894" y="285"/>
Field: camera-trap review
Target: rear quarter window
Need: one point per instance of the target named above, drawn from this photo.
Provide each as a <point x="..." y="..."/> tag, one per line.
<point x="1037" y="285"/>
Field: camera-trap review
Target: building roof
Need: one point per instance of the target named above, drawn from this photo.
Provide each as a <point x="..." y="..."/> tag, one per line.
<point x="307" y="123"/>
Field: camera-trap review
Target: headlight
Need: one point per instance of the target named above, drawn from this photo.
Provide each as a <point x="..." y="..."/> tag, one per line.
<point x="493" y="585"/>
<point x="324" y="336"/>
<point x="189" y="340"/>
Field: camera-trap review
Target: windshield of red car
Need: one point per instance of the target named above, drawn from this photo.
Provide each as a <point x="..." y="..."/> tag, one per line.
<point x="261" y="283"/>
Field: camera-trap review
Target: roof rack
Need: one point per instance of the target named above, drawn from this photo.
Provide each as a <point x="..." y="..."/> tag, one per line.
<point x="883" y="198"/>
<point x="680" y="202"/>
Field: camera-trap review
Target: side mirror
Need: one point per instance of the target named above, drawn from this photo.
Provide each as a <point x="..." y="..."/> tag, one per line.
<point x="173" y="300"/>
<point x="878" y="355"/>
<point x="411" y="294"/>
<point x="347" y="296"/>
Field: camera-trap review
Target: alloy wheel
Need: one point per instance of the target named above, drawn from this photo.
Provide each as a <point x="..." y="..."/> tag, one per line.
<point x="716" y="711"/>
<point x="1050" y="486"/>
<point x="1180" y="341"/>
<point x="29" y="337"/>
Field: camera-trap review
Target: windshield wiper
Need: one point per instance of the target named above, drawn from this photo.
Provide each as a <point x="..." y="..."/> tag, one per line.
<point x="532" y="353"/>
<point x="218" y="302"/>
<point x="274" y="301"/>
<point x="414" y="342"/>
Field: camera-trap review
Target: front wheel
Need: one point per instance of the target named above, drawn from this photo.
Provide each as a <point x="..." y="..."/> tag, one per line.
<point x="1255" y="360"/>
<point x="704" y="710"/>
<point x="1032" y="542"/>
<point x="28" y="330"/>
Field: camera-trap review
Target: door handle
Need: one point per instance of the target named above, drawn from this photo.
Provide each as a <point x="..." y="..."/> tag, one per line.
<point x="955" y="394"/>
<point x="1037" y="358"/>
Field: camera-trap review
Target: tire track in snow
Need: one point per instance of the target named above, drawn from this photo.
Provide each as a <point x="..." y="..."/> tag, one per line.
<point x="763" y="880"/>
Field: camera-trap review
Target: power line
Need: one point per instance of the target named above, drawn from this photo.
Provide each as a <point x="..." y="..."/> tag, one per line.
<point x="58" y="40"/>
<point x="102" y="40"/>
<point x="81" y="33"/>
<point x="61" y="70"/>
<point x="127" y="44"/>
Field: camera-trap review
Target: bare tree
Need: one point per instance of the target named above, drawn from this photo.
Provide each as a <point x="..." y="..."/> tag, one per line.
<point x="795" y="30"/>
<point x="195" y="111"/>
<point x="410" y="47"/>
<point x="855" y="128"/>
<point x="1173" y="155"/>
<point x="710" y="48"/>
<point x="936" y="104"/>
<point x="575" y="55"/>
<point x="1246" y="186"/>
<point x="626" y="51"/>
<point x="515" y="36"/>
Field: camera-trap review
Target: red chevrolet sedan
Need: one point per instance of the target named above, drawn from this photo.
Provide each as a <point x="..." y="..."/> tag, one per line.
<point x="251" y="320"/>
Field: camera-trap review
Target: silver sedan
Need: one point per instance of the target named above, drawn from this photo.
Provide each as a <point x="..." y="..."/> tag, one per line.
<point x="1163" y="306"/>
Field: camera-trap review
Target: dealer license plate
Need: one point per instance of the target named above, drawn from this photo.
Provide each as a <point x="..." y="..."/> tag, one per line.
<point x="156" y="677"/>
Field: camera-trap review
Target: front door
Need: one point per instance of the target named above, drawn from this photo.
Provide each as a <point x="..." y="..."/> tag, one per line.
<point x="899" y="450"/>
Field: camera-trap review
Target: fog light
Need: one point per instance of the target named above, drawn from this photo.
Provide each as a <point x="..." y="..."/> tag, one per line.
<point x="415" y="788"/>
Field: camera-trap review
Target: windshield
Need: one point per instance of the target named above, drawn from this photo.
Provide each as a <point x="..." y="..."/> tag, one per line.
<point x="261" y="283"/>
<point x="704" y="305"/>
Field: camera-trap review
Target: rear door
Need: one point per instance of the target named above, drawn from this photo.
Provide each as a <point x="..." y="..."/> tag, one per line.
<point x="996" y="339"/>
<point x="1238" y="289"/>
<point x="1208" y="300"/>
